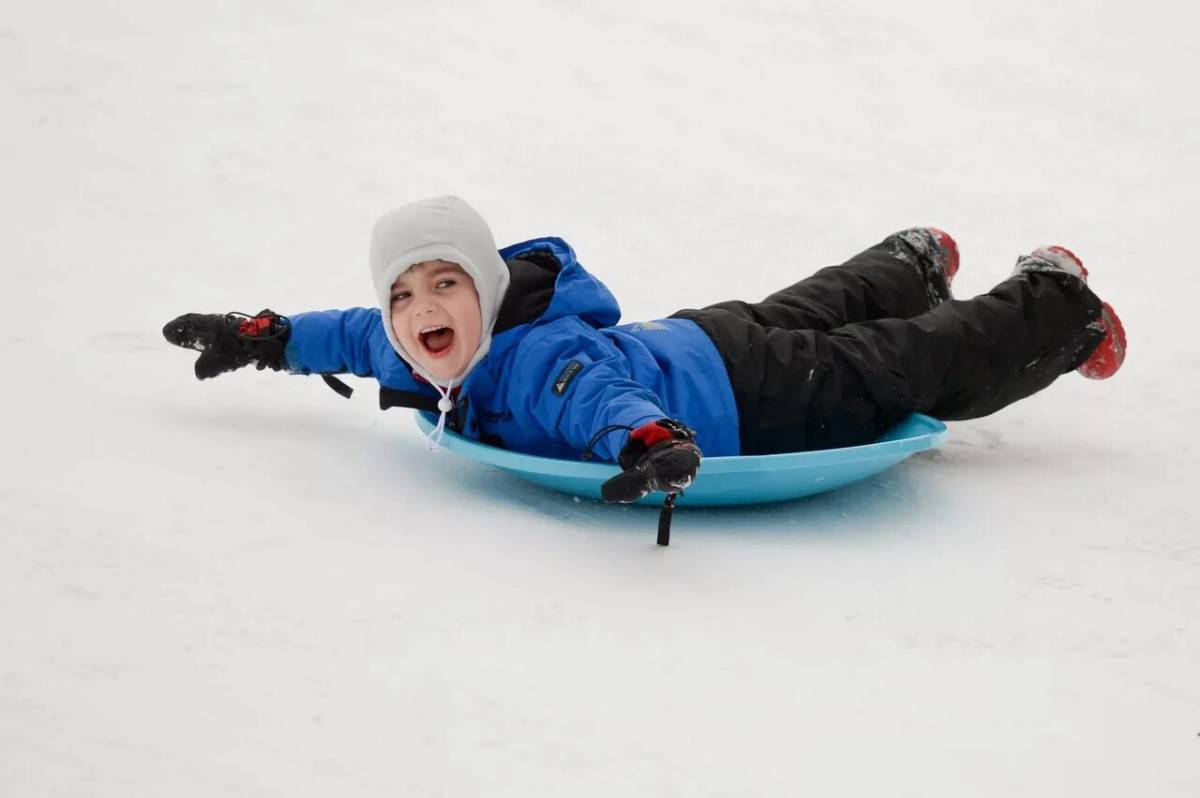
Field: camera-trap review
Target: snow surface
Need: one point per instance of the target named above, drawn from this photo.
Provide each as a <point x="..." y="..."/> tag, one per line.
<point x="252" y="587"/>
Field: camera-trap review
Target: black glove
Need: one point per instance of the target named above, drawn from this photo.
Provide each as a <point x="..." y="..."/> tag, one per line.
<point x="230" y="341"/>
<point x="661" y="455"/>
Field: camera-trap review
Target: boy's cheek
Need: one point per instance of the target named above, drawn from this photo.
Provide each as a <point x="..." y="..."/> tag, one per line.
<point x="398" y="330"/>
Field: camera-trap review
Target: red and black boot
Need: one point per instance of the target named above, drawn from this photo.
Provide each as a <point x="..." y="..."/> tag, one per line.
<point x="949" y="253"/>
<point x="935" y="254"/>
<point x="1108" y="356"/>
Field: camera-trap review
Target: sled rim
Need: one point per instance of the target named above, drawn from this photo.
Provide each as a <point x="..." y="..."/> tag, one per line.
<point x="929" y="433"/>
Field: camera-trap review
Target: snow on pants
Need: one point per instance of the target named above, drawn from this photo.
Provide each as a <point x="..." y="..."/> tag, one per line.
<point x="841" y="356"/>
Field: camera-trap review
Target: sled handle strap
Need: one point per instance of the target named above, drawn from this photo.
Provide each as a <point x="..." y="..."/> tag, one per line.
<point x="664" y="520"/>
<point x="339" y="387"/>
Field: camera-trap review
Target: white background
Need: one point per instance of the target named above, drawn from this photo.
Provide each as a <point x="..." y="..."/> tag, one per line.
<point x="252" y="587"/>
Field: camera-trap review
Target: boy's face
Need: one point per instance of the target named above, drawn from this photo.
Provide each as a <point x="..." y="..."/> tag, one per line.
<point x="436" y="318"/>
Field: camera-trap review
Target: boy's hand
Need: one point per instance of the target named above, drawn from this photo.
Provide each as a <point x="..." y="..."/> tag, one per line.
<point x="228" y="342"/>
<point x="661" y="455"/>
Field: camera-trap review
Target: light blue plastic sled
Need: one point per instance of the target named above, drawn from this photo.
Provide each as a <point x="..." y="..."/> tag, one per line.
<point x="756" y="479"/>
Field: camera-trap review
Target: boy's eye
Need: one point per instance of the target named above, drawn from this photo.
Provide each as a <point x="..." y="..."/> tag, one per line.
<point x="399" y="295"/>
<point x="445" y="283"/>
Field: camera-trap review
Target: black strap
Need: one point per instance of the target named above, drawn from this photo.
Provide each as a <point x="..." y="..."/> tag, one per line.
<point x="664" y="520"/>
<point x="390" y="397"/>
<point x="587" y="453"/>
<point x="339" y="387"/>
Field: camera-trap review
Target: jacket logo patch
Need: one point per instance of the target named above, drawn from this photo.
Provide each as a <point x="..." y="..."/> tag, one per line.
<point x="565" y="376"/>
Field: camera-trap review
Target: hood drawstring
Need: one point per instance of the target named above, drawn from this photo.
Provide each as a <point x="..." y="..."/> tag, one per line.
<point x="445" y="405"/>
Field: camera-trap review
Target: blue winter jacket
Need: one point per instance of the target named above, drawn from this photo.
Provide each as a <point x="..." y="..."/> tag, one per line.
<point x="552" y="383"/>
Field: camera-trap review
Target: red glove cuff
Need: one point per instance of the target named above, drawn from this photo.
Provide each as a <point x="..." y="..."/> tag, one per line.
<point x="259" y="326"/>
<point x="651" y="433"/>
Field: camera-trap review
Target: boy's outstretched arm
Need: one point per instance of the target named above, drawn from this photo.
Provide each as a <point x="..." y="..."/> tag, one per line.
<point x="320" y="342"/>
<point x="584" y="394"/>
<point x="337" y="342"/>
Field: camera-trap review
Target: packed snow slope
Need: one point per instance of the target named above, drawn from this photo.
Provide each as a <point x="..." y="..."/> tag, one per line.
<point x="253" y="587"/>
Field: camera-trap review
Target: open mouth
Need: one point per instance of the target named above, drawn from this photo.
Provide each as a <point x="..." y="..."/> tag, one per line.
<point x="437" y="339"/>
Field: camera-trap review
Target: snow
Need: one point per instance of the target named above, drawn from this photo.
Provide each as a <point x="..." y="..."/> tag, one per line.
<point x="251" y="586"/>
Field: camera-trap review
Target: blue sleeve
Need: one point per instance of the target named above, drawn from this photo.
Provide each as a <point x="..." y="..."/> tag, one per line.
<point x="576" y="383"/>
<point x="334" y="342"/>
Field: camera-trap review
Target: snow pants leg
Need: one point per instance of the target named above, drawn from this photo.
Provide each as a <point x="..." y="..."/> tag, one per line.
<point x="896" y="278"/>
<point x="841" y="356"/>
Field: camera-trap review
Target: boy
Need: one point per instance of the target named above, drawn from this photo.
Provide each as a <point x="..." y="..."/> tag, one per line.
<point x="519" y="348"/>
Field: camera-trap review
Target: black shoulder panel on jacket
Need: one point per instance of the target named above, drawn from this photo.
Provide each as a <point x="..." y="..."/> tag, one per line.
<point x="530" y="288"/>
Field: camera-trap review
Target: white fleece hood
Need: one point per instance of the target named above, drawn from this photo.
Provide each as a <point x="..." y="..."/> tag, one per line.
<point x="440" y="228"/>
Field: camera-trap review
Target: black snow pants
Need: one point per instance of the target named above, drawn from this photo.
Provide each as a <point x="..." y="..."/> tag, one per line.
<point x="841" y="356"/>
